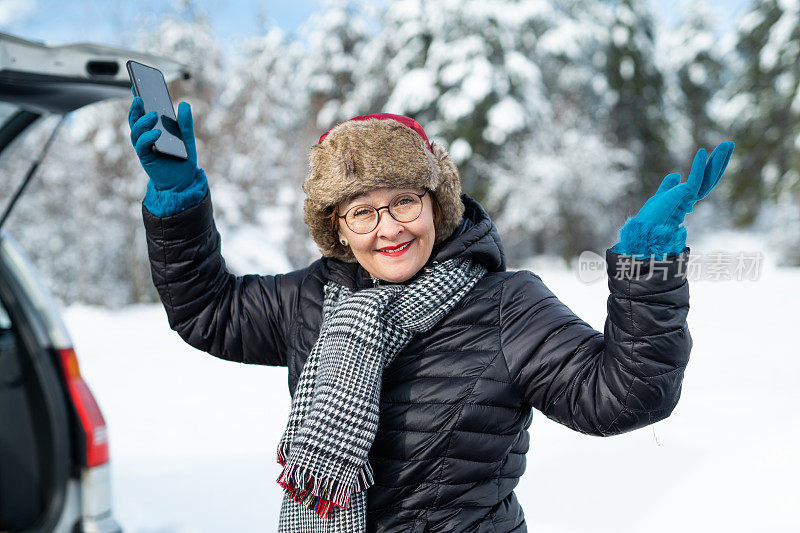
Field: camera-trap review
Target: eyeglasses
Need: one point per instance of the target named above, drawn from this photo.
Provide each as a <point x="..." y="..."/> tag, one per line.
<point x="364" y="218"/>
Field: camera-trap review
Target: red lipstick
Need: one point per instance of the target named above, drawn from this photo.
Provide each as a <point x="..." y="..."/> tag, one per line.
<point x="395" y="251"/>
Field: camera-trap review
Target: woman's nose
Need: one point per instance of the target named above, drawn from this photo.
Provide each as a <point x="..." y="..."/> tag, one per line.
<point x="388" y="227"/>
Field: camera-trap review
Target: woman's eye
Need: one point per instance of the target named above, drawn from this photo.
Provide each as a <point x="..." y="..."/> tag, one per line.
<point x="361" y="212"/>
<point x="405" y="200"/>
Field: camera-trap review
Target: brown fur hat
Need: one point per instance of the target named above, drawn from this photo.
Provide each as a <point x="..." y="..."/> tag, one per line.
<point x="369" y="152"/>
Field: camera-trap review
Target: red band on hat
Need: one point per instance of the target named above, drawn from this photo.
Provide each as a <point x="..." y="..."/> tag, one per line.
<point x="408" y="121"/>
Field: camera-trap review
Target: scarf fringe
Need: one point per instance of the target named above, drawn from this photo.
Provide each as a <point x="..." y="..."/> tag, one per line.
<point x="321" y="495"/>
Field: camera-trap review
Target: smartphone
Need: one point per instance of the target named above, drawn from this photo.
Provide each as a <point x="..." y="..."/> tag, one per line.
<point x="149" y="84"/>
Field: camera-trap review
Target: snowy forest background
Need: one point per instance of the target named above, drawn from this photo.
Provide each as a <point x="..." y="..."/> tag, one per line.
<point x="563" y="117"/>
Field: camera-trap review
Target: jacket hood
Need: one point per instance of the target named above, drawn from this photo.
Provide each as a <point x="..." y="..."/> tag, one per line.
<point x="475" y="236"/>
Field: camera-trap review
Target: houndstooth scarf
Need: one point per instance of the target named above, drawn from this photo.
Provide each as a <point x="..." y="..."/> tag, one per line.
<point x="334" y="414"/>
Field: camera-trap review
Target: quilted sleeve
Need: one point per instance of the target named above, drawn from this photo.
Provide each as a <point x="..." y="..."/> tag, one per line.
<point x="244" y="319"/>
<point x="606" y="383"/>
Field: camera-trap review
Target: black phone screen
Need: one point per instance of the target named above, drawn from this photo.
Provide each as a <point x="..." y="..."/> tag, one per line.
<point x="149" y="84"/>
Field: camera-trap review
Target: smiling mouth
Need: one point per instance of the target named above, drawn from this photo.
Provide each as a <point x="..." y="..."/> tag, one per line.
<point x="396" y="248"/>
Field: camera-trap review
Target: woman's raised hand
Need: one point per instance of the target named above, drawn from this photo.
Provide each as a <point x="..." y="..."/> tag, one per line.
<point x="164" y="171"/>
<point x="673" y="200"/>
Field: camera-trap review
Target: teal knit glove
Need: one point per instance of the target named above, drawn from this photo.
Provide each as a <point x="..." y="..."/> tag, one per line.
<point x="174" y="184"/>
<point x="656" y="229"/>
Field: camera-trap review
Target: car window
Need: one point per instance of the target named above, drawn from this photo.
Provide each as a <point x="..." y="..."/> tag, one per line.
<point x="6" y="111"/>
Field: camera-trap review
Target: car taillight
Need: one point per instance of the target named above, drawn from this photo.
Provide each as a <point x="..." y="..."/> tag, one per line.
<point x="94" y="426"/>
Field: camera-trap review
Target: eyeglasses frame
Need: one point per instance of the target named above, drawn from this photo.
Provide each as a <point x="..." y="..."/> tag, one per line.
<point x="378" y="210"/>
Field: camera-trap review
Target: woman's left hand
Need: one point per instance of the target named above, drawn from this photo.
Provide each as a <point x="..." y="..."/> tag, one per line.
<point x="673" y="200"/>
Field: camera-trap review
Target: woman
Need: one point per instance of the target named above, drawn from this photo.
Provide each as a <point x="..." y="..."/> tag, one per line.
<point x="414" y="357"/>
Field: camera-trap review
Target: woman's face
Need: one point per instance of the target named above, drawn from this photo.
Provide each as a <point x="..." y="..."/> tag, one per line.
<point x="420" y="233"/>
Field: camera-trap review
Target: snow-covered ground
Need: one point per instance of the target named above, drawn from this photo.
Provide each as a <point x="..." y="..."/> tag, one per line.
<point x="193" y="438"/>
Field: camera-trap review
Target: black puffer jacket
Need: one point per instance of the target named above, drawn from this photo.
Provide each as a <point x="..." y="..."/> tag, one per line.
<point x="456" y="402"/>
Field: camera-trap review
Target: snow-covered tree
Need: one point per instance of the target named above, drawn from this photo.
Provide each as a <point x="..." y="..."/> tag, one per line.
<point x="763" y="110"/>
<point x="337" y="38"/>
<point x="636" y="120"/>
<point x="692" y="58"/>
<point x="559" y="193"/>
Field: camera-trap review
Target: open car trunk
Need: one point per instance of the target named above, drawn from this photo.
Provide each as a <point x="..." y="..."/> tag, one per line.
<point x="54" y="473"/>
<point x="35" y="448"/>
